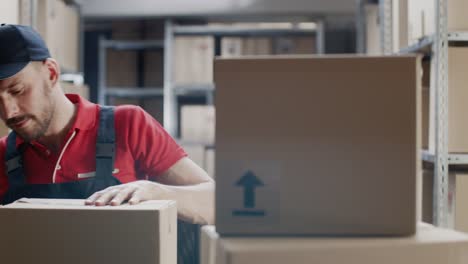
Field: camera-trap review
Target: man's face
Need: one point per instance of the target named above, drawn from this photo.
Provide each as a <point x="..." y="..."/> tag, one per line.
<point x="26" y="104"/>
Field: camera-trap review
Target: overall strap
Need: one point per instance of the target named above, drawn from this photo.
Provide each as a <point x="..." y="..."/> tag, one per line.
<point x="14" y="162"/>
<point x="105" y="143"/>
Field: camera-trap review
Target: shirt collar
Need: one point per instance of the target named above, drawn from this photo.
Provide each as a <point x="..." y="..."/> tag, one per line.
<point x="86" y="113"/>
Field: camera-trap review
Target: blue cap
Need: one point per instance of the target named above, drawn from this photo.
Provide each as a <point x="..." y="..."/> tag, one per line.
<point x="19" y="45"/>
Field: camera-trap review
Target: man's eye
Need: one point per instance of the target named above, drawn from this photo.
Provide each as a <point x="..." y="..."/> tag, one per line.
<point x="16" y="92"/>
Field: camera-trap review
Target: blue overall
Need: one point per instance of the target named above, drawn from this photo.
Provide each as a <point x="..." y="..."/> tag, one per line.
<point x="188" y="234"/>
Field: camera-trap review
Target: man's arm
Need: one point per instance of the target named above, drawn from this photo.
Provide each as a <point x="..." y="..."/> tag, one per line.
<point x="184" y="182"/>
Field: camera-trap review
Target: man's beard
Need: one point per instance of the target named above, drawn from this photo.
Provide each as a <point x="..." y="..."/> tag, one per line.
<point x="40" y="127"/>
<point x="40" y="124"/>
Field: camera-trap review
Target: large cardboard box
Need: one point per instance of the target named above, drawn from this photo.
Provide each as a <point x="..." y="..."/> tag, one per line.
<point x="59" y="25"/>
<point x="66" y="231"/>
<point x="198" y="124"/>
<point x="317" y="145"/>
<point x="458" y="198"/>
<point x="430" y="245"/>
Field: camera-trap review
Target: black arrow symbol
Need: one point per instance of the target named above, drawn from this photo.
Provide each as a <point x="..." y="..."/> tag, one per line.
<point x="249" y="181"/>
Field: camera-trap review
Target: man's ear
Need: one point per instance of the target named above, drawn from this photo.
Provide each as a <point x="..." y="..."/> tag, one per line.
<point x="53" y="70"/>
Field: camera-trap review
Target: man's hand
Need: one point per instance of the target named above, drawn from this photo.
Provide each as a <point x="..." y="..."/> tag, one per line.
<point x="133" y="192"/>
<point x="184" y="182"/>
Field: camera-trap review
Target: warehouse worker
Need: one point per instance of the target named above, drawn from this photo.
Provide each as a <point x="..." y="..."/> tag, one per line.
<point x="63" y="146"/>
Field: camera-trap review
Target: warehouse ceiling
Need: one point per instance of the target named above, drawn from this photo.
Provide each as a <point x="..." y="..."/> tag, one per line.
<point x="215" y="8"/>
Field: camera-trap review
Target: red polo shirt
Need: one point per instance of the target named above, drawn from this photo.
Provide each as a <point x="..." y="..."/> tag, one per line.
<point x="144" y="149"/>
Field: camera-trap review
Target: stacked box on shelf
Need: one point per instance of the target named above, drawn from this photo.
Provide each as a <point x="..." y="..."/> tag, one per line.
<point x="198" y="124"/>
<point x="193" y="60"/>
<point x="458" y="198"/>
<point x="457" y="107"/>
<point x="123" y="65"/>
<point x="317" y="145"/>
<point x="202" y="155"/>
<point x="82" y="90"/>
<point x="154" y="68"/>
<point x="421" y="17"/>
<point x="235" y="47"/>
<point x="198" y="134"/>
<point x="372" y="29"/>
<point x="59" y="25"/>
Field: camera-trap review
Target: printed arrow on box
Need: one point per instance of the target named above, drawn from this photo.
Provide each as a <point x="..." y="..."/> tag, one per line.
<point x="249" y="181"/>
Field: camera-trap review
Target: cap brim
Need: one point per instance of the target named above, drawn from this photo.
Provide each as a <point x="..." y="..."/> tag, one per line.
<point x="10" y="69"/>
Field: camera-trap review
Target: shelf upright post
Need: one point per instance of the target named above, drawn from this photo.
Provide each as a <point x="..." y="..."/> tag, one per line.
<point x="170" y="100"/>
<point x="386" y="26"/>
<point x="102" y="71"/>
<point x="440" y="58"/>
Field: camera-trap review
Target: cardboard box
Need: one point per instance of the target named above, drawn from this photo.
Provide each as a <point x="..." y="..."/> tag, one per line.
<point x="59" y="25"/>
<point x="372" y="29"/>
<point x="430" y="245"/>
<point x="201" y="154"/>
<point x="295" y="45"/>
<point x="121" y="70"/>
<point x="317" y="145"/>
<point x="82" y="90"/>
<point x="425" y="117"/>
<point x="457" y="107"/>
<point x="153" y="106"/>
<point x="237" y="46"/>
<point x="196" y="152"/>
<point x="210" y="162"/>
<point x="399" y="25"/>
<point x="208" y="243"/>
<point x="66" y="231"/>
<point x="461" y="202"/>
<point x="457" y="98"/>
<point x="193" y="60"/>
<point x="122" y="66"/>
<point x="198" y="124"/>
<point x="458" y="199"/>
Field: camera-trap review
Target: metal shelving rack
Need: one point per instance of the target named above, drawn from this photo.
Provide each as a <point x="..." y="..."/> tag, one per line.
<point x="104" y="92"/>
<point x="435" y="46"/>
<point x="170" y="91"/>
